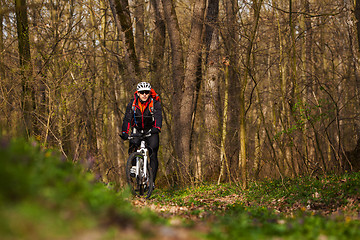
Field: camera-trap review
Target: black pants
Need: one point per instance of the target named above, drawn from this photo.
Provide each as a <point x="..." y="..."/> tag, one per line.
<point x="152" y="143"/>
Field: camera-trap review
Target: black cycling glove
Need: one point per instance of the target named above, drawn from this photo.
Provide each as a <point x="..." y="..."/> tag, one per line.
<point x="124" y="136"/>
<point x="154" y="130"/>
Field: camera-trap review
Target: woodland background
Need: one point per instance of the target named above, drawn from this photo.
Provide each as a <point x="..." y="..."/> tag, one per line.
<point x="249" y="89"/>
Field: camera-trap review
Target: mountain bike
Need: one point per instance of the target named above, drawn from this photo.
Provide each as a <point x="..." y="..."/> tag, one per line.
<point x="138" y="171"/>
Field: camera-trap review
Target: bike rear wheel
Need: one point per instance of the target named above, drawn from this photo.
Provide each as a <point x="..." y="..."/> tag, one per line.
<point x="140" y="185"/>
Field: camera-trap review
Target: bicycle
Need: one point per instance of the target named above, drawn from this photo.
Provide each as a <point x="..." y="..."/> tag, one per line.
<point x="138" y="171"/>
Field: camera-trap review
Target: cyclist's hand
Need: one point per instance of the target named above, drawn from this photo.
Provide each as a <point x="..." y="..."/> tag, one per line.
<point x="154" y="130"/>
<point x="124" y="136"/>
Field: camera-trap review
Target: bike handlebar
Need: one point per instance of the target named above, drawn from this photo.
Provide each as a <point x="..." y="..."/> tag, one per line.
<point x="140" y="135"/>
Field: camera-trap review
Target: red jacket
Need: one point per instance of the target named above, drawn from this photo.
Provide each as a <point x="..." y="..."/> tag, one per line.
<point x="150" y="117"/>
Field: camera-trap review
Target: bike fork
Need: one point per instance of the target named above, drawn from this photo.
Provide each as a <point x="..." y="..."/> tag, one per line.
<point x="144" y="166"/>
<point x="137" y="172"/>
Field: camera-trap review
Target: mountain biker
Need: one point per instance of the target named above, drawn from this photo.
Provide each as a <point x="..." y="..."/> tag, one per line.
<point x="144" y="113"/>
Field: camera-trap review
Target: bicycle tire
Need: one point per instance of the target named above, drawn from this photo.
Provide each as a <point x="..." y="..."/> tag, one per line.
<point x="139" y="187"/>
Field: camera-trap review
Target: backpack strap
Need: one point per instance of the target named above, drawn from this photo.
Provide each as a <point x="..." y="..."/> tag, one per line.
<point x="133" y="108"/>
<point x="134" y="104"/>
<point x="151" y="106"/>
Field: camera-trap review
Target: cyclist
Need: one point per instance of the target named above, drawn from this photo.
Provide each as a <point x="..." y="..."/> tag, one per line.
<point x="144" y="113"/>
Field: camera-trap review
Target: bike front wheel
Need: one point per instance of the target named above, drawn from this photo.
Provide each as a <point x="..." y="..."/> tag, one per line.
<point x="140" y="184"/>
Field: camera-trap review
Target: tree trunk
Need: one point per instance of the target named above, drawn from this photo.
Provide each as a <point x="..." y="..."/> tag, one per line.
<point x="139" y="34"/>
<point x="28" y="93"/>
<point x="211" y="91"/>
<point x="187" y="104"/>
<point x="121" y="13"/>
<point x="2" y="69"/>
<point x="294" y="95"/>
<point x="177" y="60"/>
<point x="357" y="16"/>
<point x="223" y="158"/>
<point x="231" y="50"/>
<point x="158" y="46"/>
<point x="285" y="121"/>
<point x="357" y="78"/>
<point x="249" y="69"/>
<point x="305" y="24"/>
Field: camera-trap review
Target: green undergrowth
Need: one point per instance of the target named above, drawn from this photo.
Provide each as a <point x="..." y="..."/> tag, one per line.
<point x="44" y="196"/>
<point x="323" y="207"/>
<point x="322" y="194"/>
<point x="244" y="222"/>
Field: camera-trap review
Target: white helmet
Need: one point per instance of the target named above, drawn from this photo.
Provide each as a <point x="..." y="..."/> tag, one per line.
<point x="143" y="86"/>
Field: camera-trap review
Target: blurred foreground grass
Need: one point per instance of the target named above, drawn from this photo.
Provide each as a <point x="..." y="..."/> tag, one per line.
<point x="43" y="196"/>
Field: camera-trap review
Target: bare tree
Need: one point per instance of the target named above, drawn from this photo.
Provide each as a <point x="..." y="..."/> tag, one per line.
<point x="121" y="13"/>
<point x="187" y="102"/>
<point x="158" y="45"/>
<point x="2" y="70"/>
<point x="212" y="108"/>
<point x="177" y="66"/>
<point x="139" y="19"/>
<point x="231" y="49"/>
<point x="357" y="16"/>
<point x="28" y="92"/>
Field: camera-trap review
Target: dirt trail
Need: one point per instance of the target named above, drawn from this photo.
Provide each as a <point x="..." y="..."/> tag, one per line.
<point x="198" y="218"/>
<point x="205" y="206"/>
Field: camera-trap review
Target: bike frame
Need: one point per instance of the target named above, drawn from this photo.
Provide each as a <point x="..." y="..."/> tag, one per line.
<point x="144" y="151"/>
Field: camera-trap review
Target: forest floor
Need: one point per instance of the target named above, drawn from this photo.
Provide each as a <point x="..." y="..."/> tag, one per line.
<point x="191" y="213"/>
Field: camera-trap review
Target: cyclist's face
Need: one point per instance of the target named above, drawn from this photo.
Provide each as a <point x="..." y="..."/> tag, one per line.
<point x="143" y="95"/>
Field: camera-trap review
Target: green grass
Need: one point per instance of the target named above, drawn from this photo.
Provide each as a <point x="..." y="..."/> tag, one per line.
<point x="262" y="223"/>
<point x="325" y="193"/>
